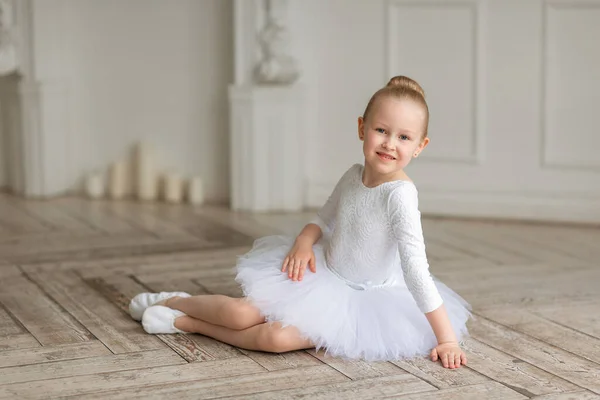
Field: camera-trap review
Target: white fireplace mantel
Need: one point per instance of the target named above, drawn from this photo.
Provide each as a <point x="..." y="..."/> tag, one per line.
<point x="34" y="100"/>
<point x="266" y="124"/>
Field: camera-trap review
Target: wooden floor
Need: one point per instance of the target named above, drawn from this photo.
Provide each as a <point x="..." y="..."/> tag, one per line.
<point x="69" y="267"/>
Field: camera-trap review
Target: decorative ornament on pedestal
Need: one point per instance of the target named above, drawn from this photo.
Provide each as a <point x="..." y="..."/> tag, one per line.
<point x="276" y="67"/>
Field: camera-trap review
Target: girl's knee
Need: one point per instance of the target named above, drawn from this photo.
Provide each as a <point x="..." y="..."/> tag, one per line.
<point x="275" y="339"/>
<point x="240" y="314"/>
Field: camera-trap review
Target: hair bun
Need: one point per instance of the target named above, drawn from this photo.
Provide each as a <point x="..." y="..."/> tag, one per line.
<point x="406" y="83"/>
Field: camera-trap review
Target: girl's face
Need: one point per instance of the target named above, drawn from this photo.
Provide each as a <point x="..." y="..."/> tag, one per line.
<point x="392" y="134"/>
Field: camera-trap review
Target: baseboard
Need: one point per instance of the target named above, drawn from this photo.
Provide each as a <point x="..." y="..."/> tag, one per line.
<point x="528" y="207"/>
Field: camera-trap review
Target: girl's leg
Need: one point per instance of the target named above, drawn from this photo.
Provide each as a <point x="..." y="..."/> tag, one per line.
<point x="262" y="337"/>
<point x="229" y="312"/>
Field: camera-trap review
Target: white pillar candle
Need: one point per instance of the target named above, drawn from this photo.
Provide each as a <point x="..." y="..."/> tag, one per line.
<point x="94" y="185"/>
<point x="195" y="192"/>
<point x="147" y="179"/>
<point x="117" y="180"/>
<point x="173" y="188"/>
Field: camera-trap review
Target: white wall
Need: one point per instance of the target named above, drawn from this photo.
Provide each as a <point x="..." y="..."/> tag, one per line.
<point x="155" y="70"/>
<point x="342" y="53"/>
<point x="508" y="84"/>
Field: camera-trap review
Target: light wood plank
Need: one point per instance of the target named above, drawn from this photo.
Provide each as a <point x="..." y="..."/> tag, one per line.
<point x="41" y="316"/>
<point x="41" y="355"/>
<point x="440" y="251"/>
<point x="358" y="369"/>
<point x="582" y="317"/>
<point x="549" y="358"/>
<point x="513" y="372"/>
<point x="88" y="366"/>
<point x="93" y="247"/>
<point x="18" y="341"/>
<point x="486" y="390"/>
<point x="8" y="326"/>
<point x="175" y="260"/>
<point x="577" y="243"/>
<point x="188" y="349"/>
<point x="17" y="221"/>
<point x="546" y="331"/>
<point x="242" y="385"/>
<point x="106" y="321"/>
<point x="472" y="247"/>
<point x="569" y="396"/>
<point x="225" y="285"/>
<point x="7" y="271"/>
<point x="438" y="376"/>
<point x="177" y="285"/>
<point x="514" y="240"/>
<point x="52" y="216"/>
<point x="94" y="214"/>
<point x="277" y="362"/>
<point x="136" y="216"/>
<point x="373" y="388"/>
<point x="215" y="349"/>
<point x="103" y="382"/>
<point x="214" y="274"/>
<point x="242" y="222"/>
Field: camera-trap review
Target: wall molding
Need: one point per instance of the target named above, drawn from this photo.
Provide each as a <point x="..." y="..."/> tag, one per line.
<point x="478" y="14"/>
<point x="545" y="161"/>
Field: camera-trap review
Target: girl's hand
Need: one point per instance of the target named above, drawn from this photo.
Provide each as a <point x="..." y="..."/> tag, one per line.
<point x="449" y="354"/>
<point x="298" y="258"/>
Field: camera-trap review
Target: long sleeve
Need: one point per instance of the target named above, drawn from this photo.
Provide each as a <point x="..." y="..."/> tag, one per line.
<point x="406" y="225"/>
<point x="326" y="216"/>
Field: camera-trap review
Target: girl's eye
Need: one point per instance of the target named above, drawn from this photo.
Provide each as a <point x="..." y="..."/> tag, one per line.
<point x="404" y="137"/>
<point x="380" y="130"/>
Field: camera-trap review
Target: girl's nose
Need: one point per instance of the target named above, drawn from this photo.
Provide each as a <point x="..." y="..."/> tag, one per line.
<point x="388" y="144"/>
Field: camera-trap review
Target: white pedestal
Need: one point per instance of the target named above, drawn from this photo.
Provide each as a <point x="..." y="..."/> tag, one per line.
<point x="34" y="101"/>
<point x="266" y="148"/>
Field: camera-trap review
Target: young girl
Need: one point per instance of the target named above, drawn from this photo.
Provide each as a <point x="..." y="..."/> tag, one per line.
<point x="369" y="293"/>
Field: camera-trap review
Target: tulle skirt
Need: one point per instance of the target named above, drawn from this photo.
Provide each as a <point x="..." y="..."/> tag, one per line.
<point x="375" y="324"/>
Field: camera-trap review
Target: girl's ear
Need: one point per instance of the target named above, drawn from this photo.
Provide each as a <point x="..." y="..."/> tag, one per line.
<point x="421" y="147"/>
<point x="361" y="128"/>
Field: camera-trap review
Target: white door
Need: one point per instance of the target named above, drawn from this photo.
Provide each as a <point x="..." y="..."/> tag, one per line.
<point x="514" y="92"/>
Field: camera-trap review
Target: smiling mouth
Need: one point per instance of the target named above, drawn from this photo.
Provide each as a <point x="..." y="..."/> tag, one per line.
<point x="385" y="156"/>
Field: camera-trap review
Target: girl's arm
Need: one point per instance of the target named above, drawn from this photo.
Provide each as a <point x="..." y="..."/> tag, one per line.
<point x="309" y="235"/>
<point x="406" y="223"/>
<point x="301" y="255"/>
<point x="440" y="323"/>
<point x="448" y="350"/>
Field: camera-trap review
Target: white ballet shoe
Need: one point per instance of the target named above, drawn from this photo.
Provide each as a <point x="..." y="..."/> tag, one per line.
<point x="160" y="319"/>
<point x="142" y="301"/>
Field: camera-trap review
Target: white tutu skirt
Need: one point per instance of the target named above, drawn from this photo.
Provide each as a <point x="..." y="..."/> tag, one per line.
<point x="375" y="324"/>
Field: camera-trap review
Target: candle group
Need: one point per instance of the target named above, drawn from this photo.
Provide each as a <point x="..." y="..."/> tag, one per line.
<point x="146" y="181"/>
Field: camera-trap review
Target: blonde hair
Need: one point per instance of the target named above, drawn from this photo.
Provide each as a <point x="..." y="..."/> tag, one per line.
<point x="401" y="87"/>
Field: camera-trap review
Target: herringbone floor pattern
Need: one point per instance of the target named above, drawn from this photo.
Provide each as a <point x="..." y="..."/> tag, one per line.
<point x="69" y="267"/>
